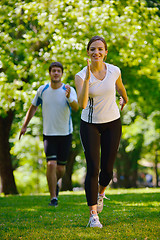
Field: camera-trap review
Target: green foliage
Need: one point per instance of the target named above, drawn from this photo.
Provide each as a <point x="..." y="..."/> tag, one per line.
<point x="35" y="33"/>
<point x="130" y="214"/>
<point x="146" y="129"/>
<point x="140" y="141"/>
<point x="30" y="174"/>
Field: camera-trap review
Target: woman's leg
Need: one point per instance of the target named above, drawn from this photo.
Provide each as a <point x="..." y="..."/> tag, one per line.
<point x="90" y="138"/>
<point x="110" y="139"/>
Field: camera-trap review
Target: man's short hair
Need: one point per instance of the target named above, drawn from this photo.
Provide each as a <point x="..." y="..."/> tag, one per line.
<point x="55" y="64"/>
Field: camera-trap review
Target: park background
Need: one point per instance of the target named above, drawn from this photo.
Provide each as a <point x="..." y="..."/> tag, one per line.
<point x="35" y="33"/>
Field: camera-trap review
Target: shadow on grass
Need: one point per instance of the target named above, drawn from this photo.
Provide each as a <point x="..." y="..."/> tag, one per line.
<point x="72" y="210"/>
<point x="126" y="213"/>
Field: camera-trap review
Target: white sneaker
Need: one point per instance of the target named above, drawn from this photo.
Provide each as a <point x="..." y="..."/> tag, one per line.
<point x="100" y="202"/>
<point x="94" y="221"/>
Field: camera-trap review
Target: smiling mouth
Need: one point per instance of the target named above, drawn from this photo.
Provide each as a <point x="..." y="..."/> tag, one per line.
<point x="96" y="57"/>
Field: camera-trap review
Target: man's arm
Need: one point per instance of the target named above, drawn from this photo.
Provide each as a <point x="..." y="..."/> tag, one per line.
<point x="73" y="103"/>
<point x="30" y="113"/>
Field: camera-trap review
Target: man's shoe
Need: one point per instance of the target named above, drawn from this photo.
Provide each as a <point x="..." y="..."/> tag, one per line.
<point x="94" y="221"/>
<point x="54" y="202"/>
<point x="100" y="202"/>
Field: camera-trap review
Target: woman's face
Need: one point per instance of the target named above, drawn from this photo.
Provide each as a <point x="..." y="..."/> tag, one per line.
<point x="97" y="51"/>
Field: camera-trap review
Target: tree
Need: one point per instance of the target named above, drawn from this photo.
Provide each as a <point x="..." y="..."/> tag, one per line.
<point x="6" y="171"/>
<point x="37" y="32"/>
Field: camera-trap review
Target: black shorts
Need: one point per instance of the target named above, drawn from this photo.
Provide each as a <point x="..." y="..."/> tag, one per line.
<point x="57" y="148"/>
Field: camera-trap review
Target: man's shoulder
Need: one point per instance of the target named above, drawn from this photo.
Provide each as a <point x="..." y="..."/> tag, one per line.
<point x="42" y="88"/>
<point x="63" y="86"/>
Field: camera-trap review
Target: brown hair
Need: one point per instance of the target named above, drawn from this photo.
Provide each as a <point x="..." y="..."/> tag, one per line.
<point x="96" y="38"/>
<point x="56" y="64"/>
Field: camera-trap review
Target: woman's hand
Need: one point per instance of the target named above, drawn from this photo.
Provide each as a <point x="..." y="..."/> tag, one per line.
<point x="122" y="102"/>
<point x="88" y="73"/>
<point x="82" y="87"/>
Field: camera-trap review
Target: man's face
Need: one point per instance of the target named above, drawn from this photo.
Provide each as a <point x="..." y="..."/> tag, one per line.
<point x="56" y="74"/>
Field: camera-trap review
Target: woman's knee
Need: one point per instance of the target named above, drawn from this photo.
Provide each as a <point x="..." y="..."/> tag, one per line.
<point x="105" y="178"/>
<point x="93" y="172"/>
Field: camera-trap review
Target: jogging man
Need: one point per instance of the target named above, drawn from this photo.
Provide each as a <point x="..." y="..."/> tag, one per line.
<point x="57" y="100"/>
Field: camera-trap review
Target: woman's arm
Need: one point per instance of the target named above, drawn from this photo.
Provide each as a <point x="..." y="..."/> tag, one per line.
<point x="122" y="91"/>
<point x="82" y="87"/>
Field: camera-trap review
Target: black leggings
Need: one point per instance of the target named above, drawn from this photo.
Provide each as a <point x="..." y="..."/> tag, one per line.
<point x="105" y="136"/>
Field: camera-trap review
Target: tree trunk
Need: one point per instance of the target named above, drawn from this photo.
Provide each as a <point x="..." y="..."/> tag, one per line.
<point x="67" y="178"/>
<point x="119" y="169"/>
<point x="156" y="169"/>
<point x="134" y="177"/>
<point x="8" y="185"/>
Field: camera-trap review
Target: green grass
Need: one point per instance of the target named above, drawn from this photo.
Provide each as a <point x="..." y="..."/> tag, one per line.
<point x="130" y="214"/>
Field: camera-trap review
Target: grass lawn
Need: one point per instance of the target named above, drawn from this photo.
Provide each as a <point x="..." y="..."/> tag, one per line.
<point x="130" y="214"/>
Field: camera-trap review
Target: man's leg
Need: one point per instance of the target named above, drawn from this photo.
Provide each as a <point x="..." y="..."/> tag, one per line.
<point x="64" y="145"/>
<point x="54" y="173"/>
<point x="60" y="171"/>
<point x="52" y="177"/>
<point x="56" y="149"/>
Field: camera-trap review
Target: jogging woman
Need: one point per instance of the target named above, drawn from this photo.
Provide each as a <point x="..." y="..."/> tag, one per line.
<point x="100" y="127"/>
